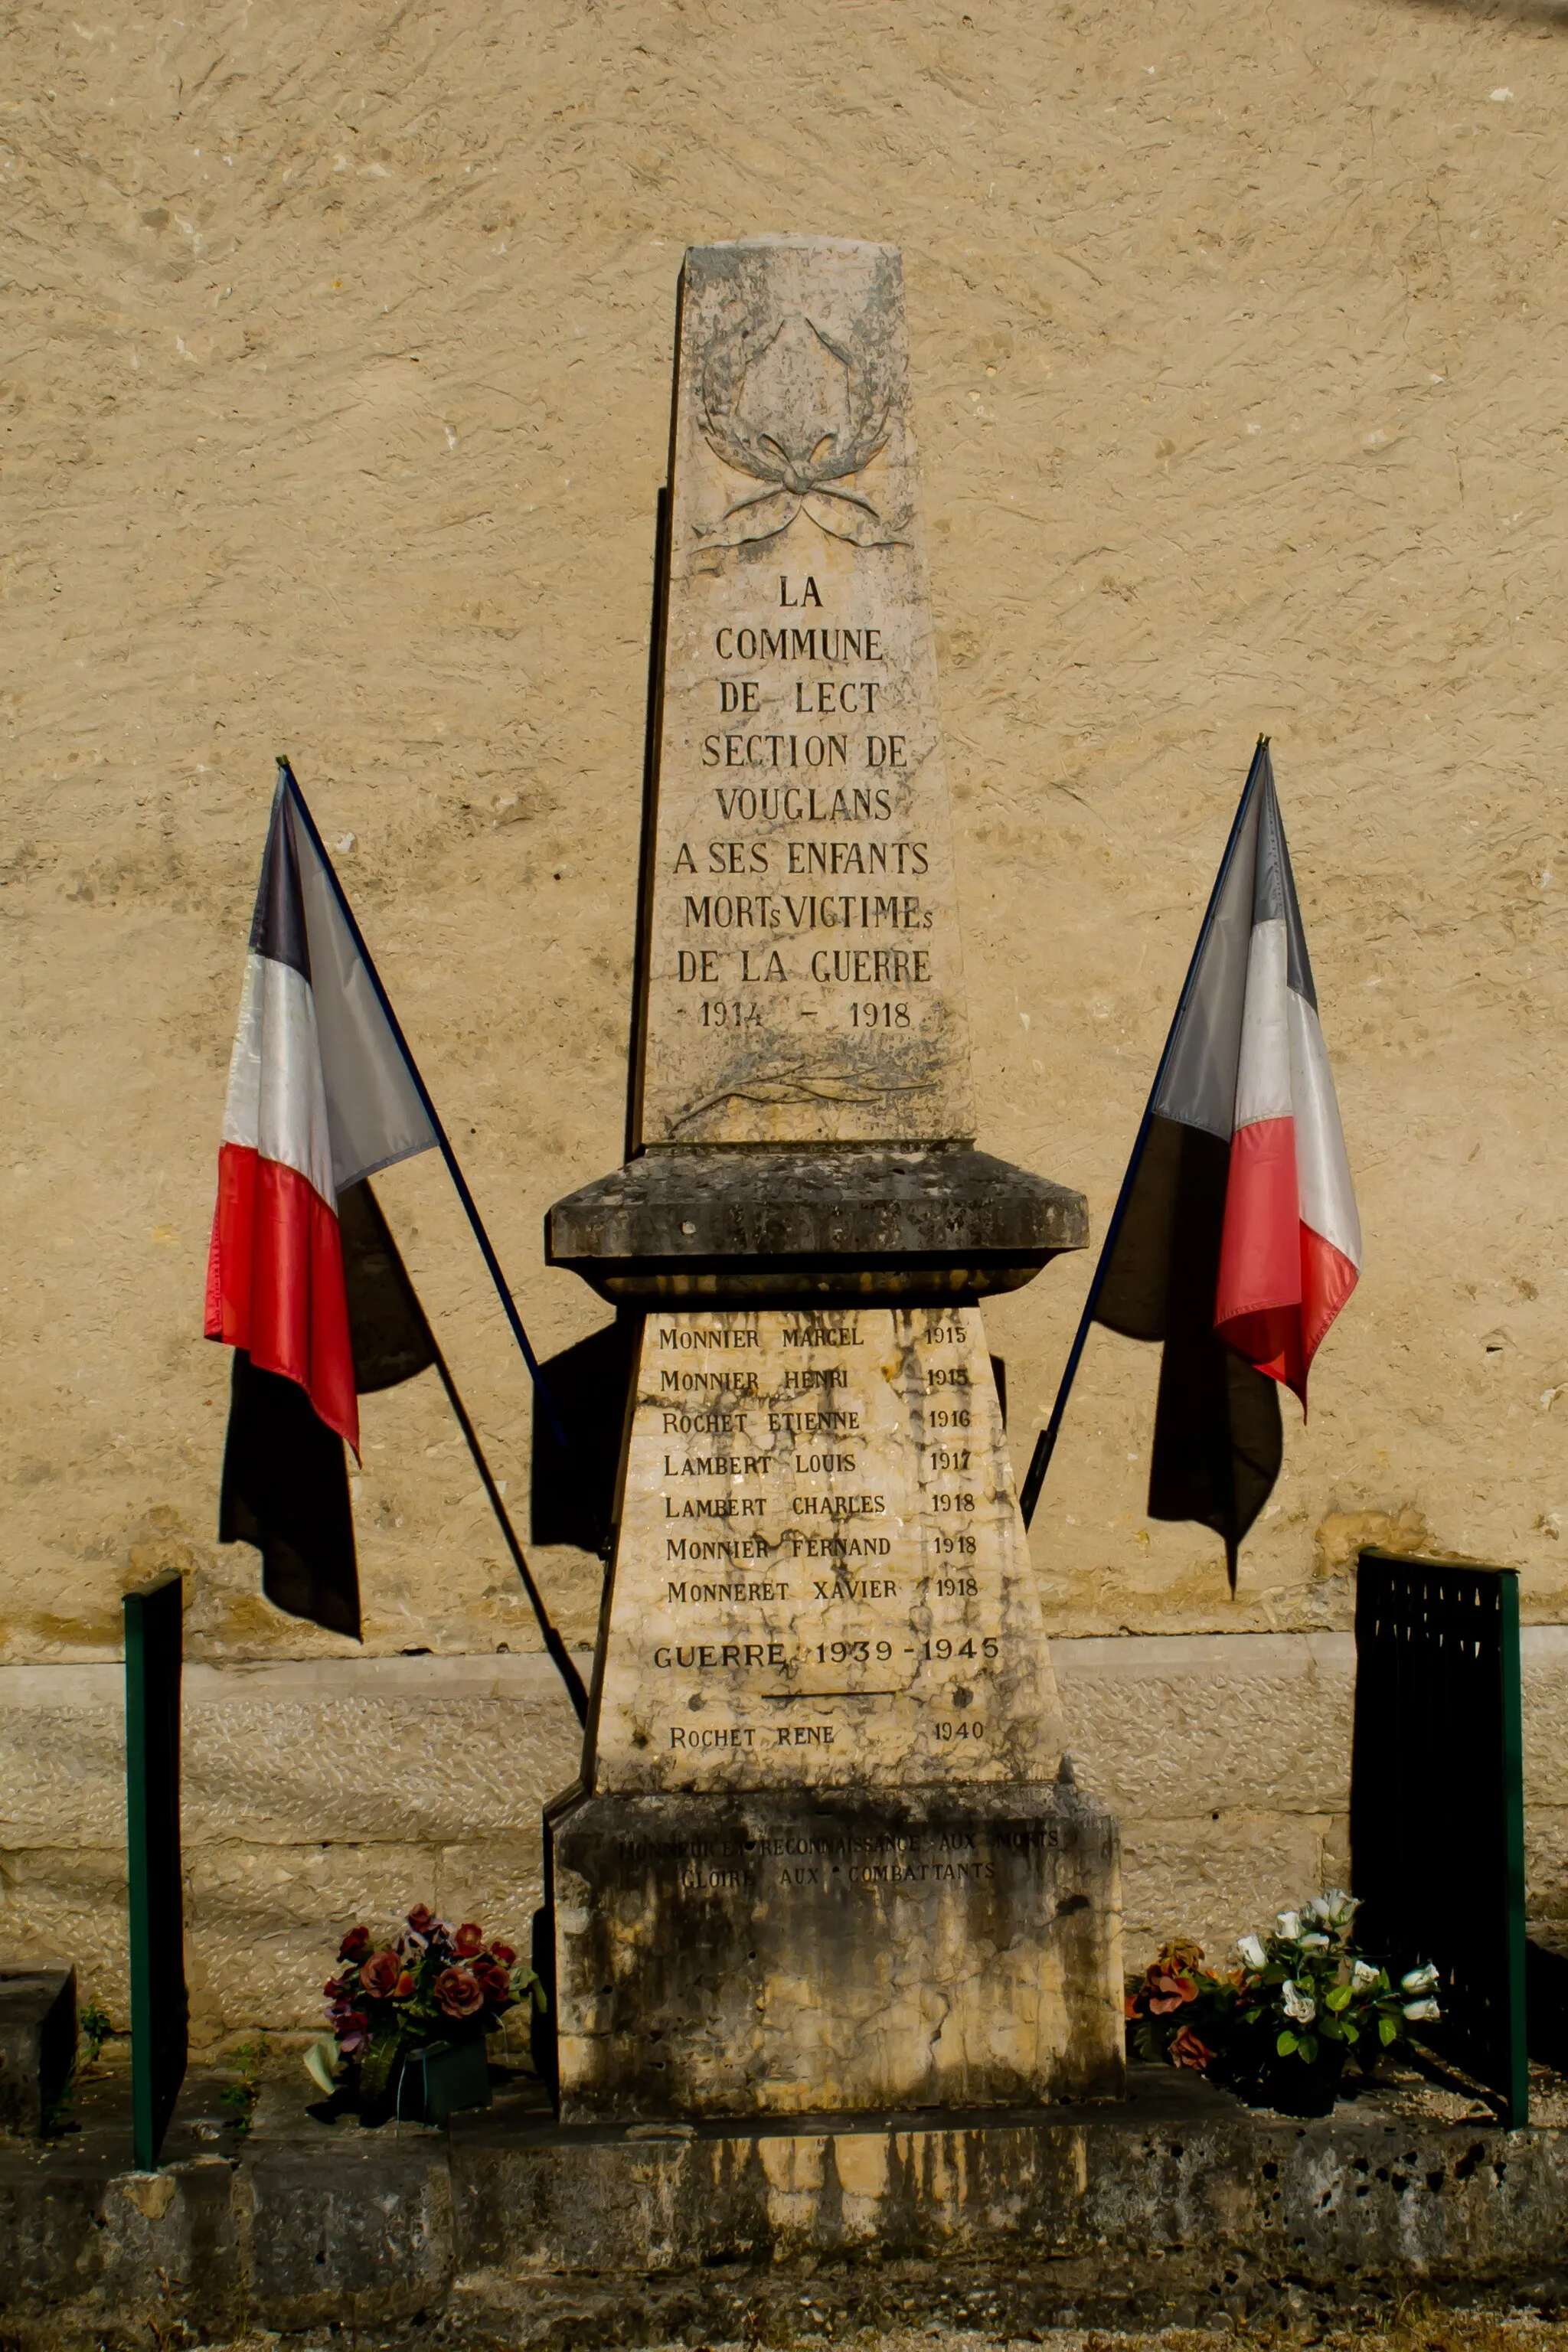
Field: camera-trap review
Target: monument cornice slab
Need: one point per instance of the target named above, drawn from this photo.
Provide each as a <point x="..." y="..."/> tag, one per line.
<point x="853" y="1221"/>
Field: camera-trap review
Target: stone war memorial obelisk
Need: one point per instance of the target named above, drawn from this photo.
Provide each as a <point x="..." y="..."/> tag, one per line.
<point x="824" y="1855"/>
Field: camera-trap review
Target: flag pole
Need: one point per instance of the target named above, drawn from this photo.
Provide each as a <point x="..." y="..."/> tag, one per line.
<point x="460" y="1181"/>
<point x="1045" y="1444"/>
<point x="566" y="1665"/>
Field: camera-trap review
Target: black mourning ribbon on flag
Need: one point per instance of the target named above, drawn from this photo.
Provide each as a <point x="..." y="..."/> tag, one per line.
<point x="285" y="1473"/>
<point x="1218" y="1439"/>
<point x="286" y="1490"/>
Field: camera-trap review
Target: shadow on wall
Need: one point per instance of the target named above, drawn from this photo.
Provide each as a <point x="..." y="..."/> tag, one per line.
<point x="572" y="1497"/>
<point x="1551" y="15"/>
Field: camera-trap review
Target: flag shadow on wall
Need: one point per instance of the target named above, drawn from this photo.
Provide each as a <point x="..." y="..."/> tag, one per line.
<point x="571" y="1495"/>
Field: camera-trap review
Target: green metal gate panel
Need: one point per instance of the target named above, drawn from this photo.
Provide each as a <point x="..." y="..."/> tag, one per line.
<point x="159" y="2003"/>
<point x="1437" y="1798"/>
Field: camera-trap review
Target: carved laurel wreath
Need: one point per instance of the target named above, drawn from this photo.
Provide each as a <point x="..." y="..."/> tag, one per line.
<point x="800" y="411"/>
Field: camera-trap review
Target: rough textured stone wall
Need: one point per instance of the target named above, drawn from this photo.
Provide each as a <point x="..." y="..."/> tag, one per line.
<point x="320" y="1791"/>
<point x="316" y="1792"/>
<point x="335" y="387"/>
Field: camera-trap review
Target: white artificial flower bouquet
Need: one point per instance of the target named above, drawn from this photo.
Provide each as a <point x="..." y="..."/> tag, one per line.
<point x="1279" y="2024"/>
<point x="1313" y="1999"/>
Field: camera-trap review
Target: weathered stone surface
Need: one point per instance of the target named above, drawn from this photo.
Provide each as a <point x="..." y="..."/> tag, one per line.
<point x="1212" y="1879"/>
<point x="801" y="1954"/>
<point x="68" y="1901"/>
<point x="1166" y="1729"/>
<point x="805" y="982"/>
<point x="316" y="1792"/>
<point x="821" y="1575"/>
<point x="344" y="2228"/>
<point x="38" y="2044"/>
<point x="162" y="2242"/>
<point x="277" y="1753"/>
<point x="821" y="1620"/>
<point x="1543" y="1673"/>
<point x="1546" y="1866"/>
<point x="264" y="1920"/>
<point x="508" y="2230"/>
<point x="1166" y="1726"/>
<point x="1227" y="1760"/>
<point x="1180" y="2205"/>
<point x="820" y="1578"/>
<point x="855" y="1222"/>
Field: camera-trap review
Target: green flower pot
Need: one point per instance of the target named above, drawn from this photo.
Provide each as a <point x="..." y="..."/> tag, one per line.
<point x="430" y="2083"/>
<point x="441" y="2080"/>
<point x="1295" y="2088"/>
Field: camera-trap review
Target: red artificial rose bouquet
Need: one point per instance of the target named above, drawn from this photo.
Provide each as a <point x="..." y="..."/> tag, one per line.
<point x="430" y="1983"/>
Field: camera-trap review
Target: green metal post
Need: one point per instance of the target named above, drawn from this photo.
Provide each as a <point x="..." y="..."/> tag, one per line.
<point x="1437" y="1653"/>
<point x="1513" y="1832"/>
<point x="159" y="2002"/>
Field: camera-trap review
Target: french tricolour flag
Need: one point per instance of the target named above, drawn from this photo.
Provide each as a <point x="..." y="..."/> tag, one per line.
<point x="320" y="1094"/>
<point x="1248" y="1065"/>
<point x="1235" y="1240"/>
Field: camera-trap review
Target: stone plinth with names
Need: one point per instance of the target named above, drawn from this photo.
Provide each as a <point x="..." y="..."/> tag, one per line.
<point x="822" y="1573"/>
<point x="824" y="1853"/>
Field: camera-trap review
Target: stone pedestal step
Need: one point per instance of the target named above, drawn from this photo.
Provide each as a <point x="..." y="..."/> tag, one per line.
<point x="1178" y="2204"/>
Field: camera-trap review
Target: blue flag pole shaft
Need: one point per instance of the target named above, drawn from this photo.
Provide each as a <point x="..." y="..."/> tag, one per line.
<point x="460" y="1181"/>
<point x="1045" y="1444"/>
<point x="566" y="1665"/>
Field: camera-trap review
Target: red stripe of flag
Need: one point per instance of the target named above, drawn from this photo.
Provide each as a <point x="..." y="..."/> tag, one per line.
<point x="1280" y="1283"/>
<point x="1258" y="1299"/>
<point x="274" y="1283"/>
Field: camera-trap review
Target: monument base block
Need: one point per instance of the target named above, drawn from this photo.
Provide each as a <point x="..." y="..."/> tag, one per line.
<point x="816" y="1951"/>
